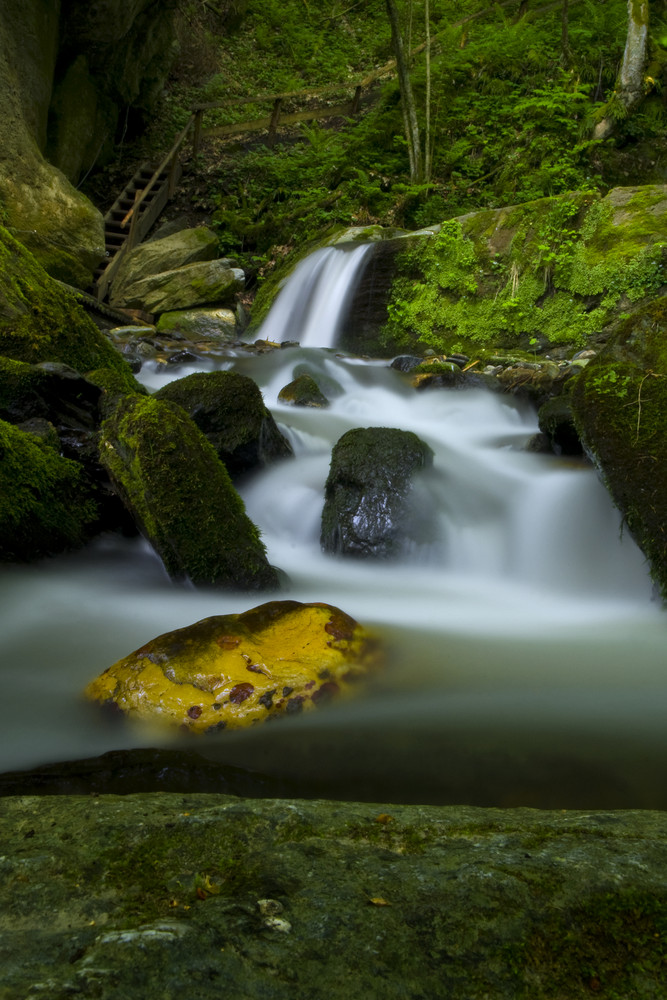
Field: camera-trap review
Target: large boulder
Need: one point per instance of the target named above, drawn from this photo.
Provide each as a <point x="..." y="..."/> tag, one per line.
<point x="370" y="506"/>
<point x="619" y="403"/>
<point x="181" y="496"/>
<point x="200" y="324"/>
<point x="42" y="321"/>
<point x="188" y="246"/>
<point x="207" y="283"/>
<point x="229" y="409"/>
<point x="230" y="671"/>
<point x="45" y="503"/>
<point x="53" y="391"/>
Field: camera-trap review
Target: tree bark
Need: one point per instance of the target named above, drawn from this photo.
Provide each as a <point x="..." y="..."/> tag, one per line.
<point x="427" y="126"/>
<point x="407" y="97"/>
<point x="565" y="35"/>
<point x="630" y="83"/>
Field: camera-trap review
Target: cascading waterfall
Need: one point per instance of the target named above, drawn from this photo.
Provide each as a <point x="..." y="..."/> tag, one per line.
<point x="312" y="304"/>
<point x="526" y="656"/>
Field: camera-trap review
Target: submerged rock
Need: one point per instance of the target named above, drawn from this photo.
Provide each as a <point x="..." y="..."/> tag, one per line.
<point x="229" y="409"/>
<point x="181" y="496"/>
<point x="229" y="671"/>
<point x="369" y="507"/>
<point x="303" y="391"/>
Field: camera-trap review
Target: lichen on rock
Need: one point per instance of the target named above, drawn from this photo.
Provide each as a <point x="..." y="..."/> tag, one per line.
<point x="229" y="671"/>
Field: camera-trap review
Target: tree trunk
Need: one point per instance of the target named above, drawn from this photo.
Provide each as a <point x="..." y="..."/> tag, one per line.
<point x="630" y="83"/>
<point x="427" y="124"/>
<point x="565" y="35"/>
<point x="407" y="98"/>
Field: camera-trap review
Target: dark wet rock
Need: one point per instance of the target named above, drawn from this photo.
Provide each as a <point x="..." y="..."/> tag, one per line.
<point x="437" y="374"/>
<point x="128" y="772"/>
<point x="556" y="421"/>
<point x="46" y="504"/>
<point x="303" y="391"/>
<point x="202" y="895"/>
<point x="50" y="390"/>
<point x="229" y="409"/>
<point x="181" y="497"/>
<point x="406" y="363"/>
<point x="619" y="403"/>
<point x="370" y="507"/>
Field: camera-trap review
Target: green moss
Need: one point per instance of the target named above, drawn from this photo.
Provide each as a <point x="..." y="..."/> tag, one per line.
<point x="41" y="321"/>
<point x="553" y="271"/>
<point x="619" y="402"/>
<point x="180" y="493"/>
<point x="45" y="506"/>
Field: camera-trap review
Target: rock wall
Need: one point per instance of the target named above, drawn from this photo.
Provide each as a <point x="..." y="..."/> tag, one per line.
<point x="67" y="71"/>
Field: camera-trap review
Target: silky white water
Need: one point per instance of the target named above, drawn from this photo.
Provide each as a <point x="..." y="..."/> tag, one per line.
<point x="526" y="656"/>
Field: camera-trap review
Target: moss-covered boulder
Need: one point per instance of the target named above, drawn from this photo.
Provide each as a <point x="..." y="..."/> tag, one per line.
<point x="620" y="405"/>
<point x="45" y="502"/>
<point x="41" y="321"/>
<point x="205" y="324"/>
<point x="181" y="496"/>
<point x="551" y="272"/>
<point x="207" y="283"/>
<point x="303" y="391"/>
<point x="188" y="246"/>
<point x="229" y="409"/>
<point x="281" y="658"/>
<point x="50" y="390"/>
<point x="370" y="506"/>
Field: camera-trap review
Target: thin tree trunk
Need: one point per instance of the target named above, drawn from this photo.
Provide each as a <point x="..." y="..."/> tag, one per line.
<point x="565" y="34"/>
<point x="630" y="83"/>
<point x="407" y="98"/>
<point x="427" y="125"/>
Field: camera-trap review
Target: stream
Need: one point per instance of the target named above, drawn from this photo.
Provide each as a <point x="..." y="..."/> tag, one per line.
<point x="525" y="648"/>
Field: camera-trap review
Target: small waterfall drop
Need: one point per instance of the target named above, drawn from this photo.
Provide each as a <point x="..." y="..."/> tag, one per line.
<point x="312" y="304"/>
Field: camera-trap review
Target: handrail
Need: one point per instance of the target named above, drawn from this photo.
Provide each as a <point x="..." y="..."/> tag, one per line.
<point x="178" y="142"/>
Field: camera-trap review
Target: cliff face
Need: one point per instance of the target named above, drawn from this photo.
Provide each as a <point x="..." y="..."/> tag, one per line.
<point x="68" y="71"/>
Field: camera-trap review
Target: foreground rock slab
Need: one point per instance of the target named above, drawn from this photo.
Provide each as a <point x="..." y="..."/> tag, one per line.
<point x="210" y="895"/>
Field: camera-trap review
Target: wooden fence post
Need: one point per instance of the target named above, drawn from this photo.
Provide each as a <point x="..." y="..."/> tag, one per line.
<point x="172" y="175"/>
<point x="275" y="118"/>
<point x="356" y="100"/>
<point x="196" y="138"/>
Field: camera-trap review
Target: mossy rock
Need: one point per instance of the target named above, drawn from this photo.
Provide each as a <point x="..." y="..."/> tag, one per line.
<point x="303" y="391"/>
<point x="229" y="409"/>
<point x="211" y="282"/>
<point x="181" y="496"/>
<point x="230" y="671"/>
<point x="556" y="421"/>
<point x="219" y="324"/>
<point x="620" y="405"/>
<point x="45" y="503"/>
<point x="556" y="271"/>
<point x="370" y="506"/>
<point x="42" y="321"/>
<point x="53" y="391"/>
<point x="188" y="246"/>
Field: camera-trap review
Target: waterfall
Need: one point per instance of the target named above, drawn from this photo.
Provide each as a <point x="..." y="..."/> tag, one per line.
<point x="525" y="653"/>
<point x="312" y="305"/>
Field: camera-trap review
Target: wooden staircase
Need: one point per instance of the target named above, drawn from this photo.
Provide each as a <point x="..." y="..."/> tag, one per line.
<point x="131" y="217"/>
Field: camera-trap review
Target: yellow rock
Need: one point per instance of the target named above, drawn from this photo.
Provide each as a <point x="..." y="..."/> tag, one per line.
<point x="280" y="658"/>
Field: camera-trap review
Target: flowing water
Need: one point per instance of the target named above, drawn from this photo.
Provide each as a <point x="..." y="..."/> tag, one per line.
<point x="525" y="652"/>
